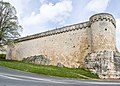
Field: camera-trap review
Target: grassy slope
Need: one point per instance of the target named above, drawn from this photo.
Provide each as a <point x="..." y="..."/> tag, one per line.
<point x="48" y="70"/>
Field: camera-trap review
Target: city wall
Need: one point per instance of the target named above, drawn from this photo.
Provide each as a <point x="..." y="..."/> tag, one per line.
<point x="67" y="45"/>
<point x="89" y="44"/>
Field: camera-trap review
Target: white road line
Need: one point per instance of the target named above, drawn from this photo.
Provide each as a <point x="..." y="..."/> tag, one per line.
<point x="107" y="83"/>
<point x="17" y="78"/>
<point x="98" y="82"/>
<point x="11" y="76"/>
<point x="33" y="79"/>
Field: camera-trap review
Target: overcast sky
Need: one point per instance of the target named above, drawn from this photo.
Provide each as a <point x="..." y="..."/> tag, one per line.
<point x="37" y="16"/>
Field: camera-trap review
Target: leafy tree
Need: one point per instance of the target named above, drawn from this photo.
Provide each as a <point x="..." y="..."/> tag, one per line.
<point x="9" y="26"/>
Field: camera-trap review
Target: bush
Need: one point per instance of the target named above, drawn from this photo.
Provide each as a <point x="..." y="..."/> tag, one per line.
<point x="2" y="56"/>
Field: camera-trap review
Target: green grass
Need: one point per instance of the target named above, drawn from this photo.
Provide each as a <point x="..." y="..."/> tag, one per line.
<point x="49" y="70"/>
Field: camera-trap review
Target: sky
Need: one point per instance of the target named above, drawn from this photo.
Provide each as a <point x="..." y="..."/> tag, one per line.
<point x="36" y="16"/>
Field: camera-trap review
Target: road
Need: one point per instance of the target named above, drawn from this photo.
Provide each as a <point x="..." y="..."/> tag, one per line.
<point x="10" y="77"/>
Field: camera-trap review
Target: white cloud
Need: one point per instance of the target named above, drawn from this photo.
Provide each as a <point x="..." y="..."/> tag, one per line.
<point x="97" y="5"/>
<point x="118" y="33"/>
<point x="50" y="12"/>
<point x="20" y="6"/>
<point x="47" y="13"/>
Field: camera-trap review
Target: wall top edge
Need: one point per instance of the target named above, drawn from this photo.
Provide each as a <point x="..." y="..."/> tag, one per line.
<point x="55" y="31"/>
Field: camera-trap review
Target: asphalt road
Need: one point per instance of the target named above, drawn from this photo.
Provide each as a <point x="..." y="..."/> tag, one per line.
<point x="10" y="77"/>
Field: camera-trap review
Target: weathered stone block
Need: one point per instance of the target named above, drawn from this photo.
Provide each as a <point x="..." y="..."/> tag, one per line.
<point x="40" y="59"/>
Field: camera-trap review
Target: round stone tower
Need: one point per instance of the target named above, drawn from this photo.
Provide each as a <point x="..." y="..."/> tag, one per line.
<point x="102" y="32"/>
<point x="103" y="45"/>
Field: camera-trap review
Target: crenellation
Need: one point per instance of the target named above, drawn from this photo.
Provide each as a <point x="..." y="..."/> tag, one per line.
<point x="55" y="31"/>
<point x="101" y="17"/>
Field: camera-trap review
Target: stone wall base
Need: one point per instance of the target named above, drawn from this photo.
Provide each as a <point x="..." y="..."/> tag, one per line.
<point x="104" y="63"/>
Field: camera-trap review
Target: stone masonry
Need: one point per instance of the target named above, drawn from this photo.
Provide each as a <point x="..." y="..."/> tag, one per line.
<point x="90" y="45"/>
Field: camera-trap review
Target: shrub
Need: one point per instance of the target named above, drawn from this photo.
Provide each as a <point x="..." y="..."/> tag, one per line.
<point x="2" y="56"/>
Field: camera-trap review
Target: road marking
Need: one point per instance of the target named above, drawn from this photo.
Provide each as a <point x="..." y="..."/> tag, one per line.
<point x="10" y="77"/>
<point x="17" y="77"/>
<point x="107" y="83"/>
<point x="33" y="79"/>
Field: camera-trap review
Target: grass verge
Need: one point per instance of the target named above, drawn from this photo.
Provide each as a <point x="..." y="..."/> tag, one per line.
<point x="49" y="70"/>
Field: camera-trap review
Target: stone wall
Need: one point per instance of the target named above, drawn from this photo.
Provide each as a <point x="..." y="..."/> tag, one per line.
<point x="68" y="45"/>
<point x="89" y="44"/>
<point x="102" y="63"/>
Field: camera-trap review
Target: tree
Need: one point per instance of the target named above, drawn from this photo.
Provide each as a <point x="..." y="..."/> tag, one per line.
<point x="9" y="26"/>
